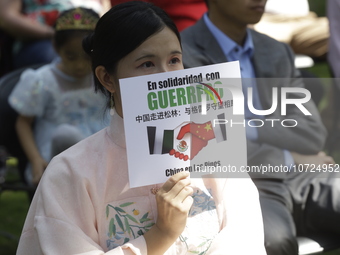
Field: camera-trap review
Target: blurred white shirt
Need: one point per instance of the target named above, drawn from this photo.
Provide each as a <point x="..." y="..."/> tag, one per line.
<point x="288" y="7"/>
<point x="99" y="6"/>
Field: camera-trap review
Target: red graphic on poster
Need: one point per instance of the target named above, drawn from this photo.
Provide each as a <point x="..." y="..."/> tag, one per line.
<point x="201" y="134"/>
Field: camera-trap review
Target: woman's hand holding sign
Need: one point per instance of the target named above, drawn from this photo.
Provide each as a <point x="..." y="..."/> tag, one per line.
<point x="173" y="204"/>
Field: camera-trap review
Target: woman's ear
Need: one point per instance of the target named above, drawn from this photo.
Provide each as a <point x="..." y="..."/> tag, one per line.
<point x="105" y="78"/>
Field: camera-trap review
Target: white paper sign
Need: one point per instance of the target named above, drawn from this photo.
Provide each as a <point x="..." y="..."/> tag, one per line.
<point x="183" y="121"/>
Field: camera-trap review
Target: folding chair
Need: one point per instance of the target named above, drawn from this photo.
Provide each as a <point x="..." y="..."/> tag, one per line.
<point x="8" y="136"/>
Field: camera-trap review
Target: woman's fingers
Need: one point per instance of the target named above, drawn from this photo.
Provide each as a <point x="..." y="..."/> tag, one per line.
<point x="178" y="187"/>
<point x="173" y="204"/>
<point x="183" y="194"/>
<point x="179" y="196"/>
<point x="173" y="180"/>
<point x="187" y="203"/>
<point x="179" y="190"/>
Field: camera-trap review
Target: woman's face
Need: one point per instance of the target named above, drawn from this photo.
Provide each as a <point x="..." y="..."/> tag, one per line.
<point x="161" y="52"/>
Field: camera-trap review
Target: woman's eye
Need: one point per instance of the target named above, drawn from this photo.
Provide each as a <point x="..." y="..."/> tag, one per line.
<point x="147" y="64"/>
<point x="174" y="61"/>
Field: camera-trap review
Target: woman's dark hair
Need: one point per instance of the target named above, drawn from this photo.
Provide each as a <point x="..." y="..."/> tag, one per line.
<point x="120" y="31"/>
<point x="66" y="29"/>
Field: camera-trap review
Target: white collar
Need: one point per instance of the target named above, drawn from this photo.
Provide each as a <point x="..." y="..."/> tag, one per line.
<point x="116" y="130"/>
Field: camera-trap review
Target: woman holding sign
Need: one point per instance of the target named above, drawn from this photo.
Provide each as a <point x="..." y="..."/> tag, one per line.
<point x="84" y="204"/>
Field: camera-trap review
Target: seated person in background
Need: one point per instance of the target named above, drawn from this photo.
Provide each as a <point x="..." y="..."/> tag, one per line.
<point x="292" y="202"/>
<point x="292" y="22"/>
<point x="56" y="103"/>
<point x="31" y="24"/>
<point x="84" y="205"/>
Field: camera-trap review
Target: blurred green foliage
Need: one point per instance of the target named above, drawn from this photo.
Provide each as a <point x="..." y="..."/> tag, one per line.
<point x="318" y="6"/>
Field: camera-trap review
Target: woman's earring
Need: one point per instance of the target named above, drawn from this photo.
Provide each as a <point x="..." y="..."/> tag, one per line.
<point x="112" y="105"/>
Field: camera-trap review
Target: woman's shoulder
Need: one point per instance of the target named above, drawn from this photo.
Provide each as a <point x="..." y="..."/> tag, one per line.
<point x="87" y="154"/>
<point x="86" y="147"/>
<point x="85" y="165"/>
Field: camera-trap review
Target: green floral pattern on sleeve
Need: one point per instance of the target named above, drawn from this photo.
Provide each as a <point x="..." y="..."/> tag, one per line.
<point x="126" y="222"/>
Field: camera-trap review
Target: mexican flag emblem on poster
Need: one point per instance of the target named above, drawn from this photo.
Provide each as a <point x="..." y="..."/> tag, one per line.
<point x="184" y="121"/>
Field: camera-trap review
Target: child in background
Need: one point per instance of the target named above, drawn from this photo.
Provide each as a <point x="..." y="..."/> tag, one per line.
<point x="56" y="103"/>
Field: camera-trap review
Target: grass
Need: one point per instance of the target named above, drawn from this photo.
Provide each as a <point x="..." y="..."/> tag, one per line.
<point x="318" y="6"/>
<point x="13" y="209"/>
<point x="337" y="252"/>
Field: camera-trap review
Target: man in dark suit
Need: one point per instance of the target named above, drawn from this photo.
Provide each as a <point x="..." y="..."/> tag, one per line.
<point x="291" y="202"/>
